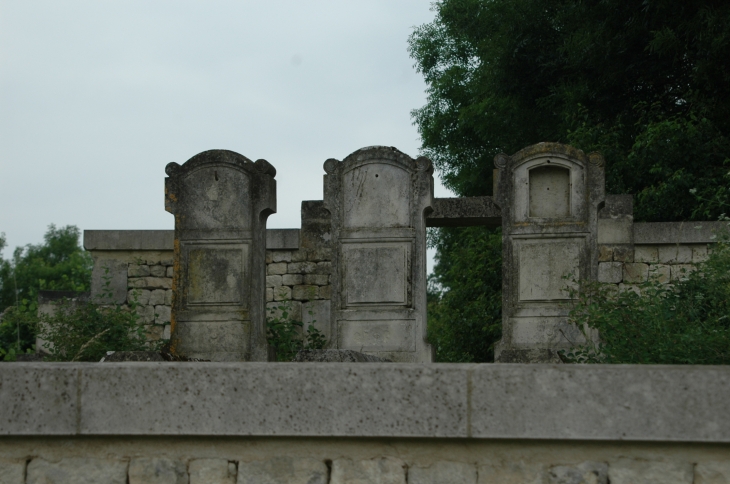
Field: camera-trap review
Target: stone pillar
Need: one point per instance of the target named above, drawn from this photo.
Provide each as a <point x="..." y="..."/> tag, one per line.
<point x="378" y="198"/>
<point x="221" y="201"/>
<point x="549" y="195"/>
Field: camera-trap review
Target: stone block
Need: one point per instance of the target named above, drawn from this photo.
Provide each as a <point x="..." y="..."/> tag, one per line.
<point x="659" y="273"/>
<point x="299" y="255"/>
<point x="150" y="283"/>
<point x="623" y="253"/>
<point x="605" y="253"/>
<point x="383" y="470"/>
<point x="168" y="297"/>
<point x="635" y="272"/>
<point x="583" y="473"/>
<point x="320" y="254"/>
<point x="323" y="268"/>
<point x="153" y="332"/>
<point x="169" y="272"/>
<point x="281" y="256"/>
<point x="325" y="292"/>
<point x="282" y="293"/>
<point x="269" y="294"/>
<point x="336" y="356"/>
<point x="109" y="276"/>
<point x="120" y="356"/>
<point x="284" y="470"/>
<point x="138" y="270"/>
<point x="699" y="253"/>
<point x="610" y="272"/>
<point x="158" y="271"/>
<point x="157" y="297"/>
<point x="301" y="267"/>
<point x="276" y="310"/>
<point x="712" y="472"/>
<point x="681" y="271"/>
<point x="157" y="470"/>
<point x="615" y="230"/>
<point x="162" y="314"/>
<point x="167" y="261"/>
<point x="675" y="254"/>
<point x="269" y="257"/>
<point x="273" y="281"/>
<point x="316" y="279"/>
<point x="128" y="240"/>
<point x="141" y="296"/>
<point x="77" y="470"/>
<point x="317" y="314"/>
<point x="646" y="253"/>
<point x="305" y="293"/>
<point x="146" y="314"/>
<point x="276" y="268"/>
<point x="443" y="472"/>
<point x="629" y="287"/>
<point x="166" y="332"/>
<point x="292" y="279"/>
<point x="513" y="472"/>
<point x="637" y="471"/>
<point x="212" y="471"/>
<point x="12" y="471"/>
<point x="279" y="239"/>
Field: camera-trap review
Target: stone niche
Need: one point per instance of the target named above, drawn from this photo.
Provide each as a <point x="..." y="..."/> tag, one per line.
<point x="221" y="201"/>
<point x="378" y="199"/>
<point x="549" y="195"/>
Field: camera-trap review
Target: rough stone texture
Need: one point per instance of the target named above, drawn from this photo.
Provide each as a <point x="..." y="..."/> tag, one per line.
<point x="78" y="471"/>
<point x="513" y="472"/>
<point x="464" y="212"/>
<point x="636" y="272"/>
<point x="282" y="293"/>
<point x="277" y="268"/>
<point x="384" y="470"/>
<point x="292" y="279"/>
<point x="109" y="276"/>
<point x="583" y="473"/>
<point x="377" y="198"/>
<point x="605" y="253"/>
<point x="118" y="356"/>
<point x="699" y="253"/>
<point x="158" y="271"/>
<point x="646" y="253"/>
<point x="221" y="201"/>
<point x="549" y="196"/>
<point x="317" y="314"/>
<point x="157" y="297"/>
<point x="677" y="232"/>
<point x="283" y="470"/>
<point x="635" y="471"/>
<point x="12" y="471"/>
<point x="273" y="281"/>
<point x="276" y="310"/>
<point x="712" y="473"/>
<point x="281" y="256"/>
<point x="660" y="273"/>
<point x="157" y="470"/>
<point x="681" y="271"/>
<point x="610" y="272"/>
<point x="140" y="296"/>
<point x="305" y="293"/>
<point x="212" y="471"/>
<point x="443" y="472"/>
<point x="675" y="254"/>
<point x="623" y="253"/>
<point x="338" y="356"/>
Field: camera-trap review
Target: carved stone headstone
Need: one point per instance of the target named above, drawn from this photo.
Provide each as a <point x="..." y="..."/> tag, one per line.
<point x="549" y="195"/>
<point x="221" y="201"/>
<point x="378" y="198"/>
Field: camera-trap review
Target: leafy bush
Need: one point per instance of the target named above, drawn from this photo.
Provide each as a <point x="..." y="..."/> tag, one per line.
<point x="287" y="336"/>
<point x="17" y="331"/>
<point x="687" y="322"/>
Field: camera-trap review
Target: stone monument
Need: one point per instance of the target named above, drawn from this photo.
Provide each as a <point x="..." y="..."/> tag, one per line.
<point x="550" y="195"/>
<point x="378" y="199"/>
<point x="220" y="201"/>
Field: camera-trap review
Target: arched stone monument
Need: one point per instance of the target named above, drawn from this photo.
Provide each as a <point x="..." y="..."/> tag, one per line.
<point x="378" y="198"/>
<point x="221" y="201"/>
<point x="549" y="195"/>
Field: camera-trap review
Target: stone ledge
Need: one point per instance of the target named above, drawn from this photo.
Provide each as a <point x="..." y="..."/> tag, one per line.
<point x="126" y="240"/>
<point x="489" y="401"/>
<point x="655" y="233"/>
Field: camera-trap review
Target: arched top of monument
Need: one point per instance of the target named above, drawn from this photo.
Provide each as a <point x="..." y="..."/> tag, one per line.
<point x="541" y="150"/>
<point x="219" y="158"/>
<point x="379" y="154"/>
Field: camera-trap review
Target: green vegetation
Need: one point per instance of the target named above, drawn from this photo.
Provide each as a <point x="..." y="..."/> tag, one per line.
<point x="684" y="323"/>
<point x="646" y="84"/>
<point x="287" y="336"/>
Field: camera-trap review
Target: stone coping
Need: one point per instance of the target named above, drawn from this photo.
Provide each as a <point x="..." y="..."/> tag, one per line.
<point x="473" y="401"/>
<point x="164" y="239"/>
<point x="655" y="233"/>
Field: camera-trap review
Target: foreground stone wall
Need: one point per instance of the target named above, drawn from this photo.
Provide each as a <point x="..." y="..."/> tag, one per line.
<point x="376" y="422"/>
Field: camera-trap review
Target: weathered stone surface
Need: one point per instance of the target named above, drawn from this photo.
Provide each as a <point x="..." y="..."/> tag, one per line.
<point x="305" y="293"/>
<point x="699" y="253"/>
<point x="583" y="473"/>
<point x="301" y="267"/>
<point x="316" y="226"/>
<point x="605" y="253"/>
<point x="12" y="471"/>
<point x="166" y="331"/>
<point x="300" y="255"/>
<point x="636" y="471"/>
<point x="273" y="281"/>
<point x="646" y="253"/>
<point x="281" y="256"/>
<point x="323" y="268"/>
<point x="443" y="472"/>
<point x="78" y="471"/>
<point x="464" y="212"/>
<point x="138" y="270"/>
<point x="292" y="279"/>
<point x="317" y="279"/>
<point x="277" y="268"/>
<point x="150" y="283"/>
<point x="156" y="470"/>
<point x="659" y="273"/>
<point x="513" y="472"/>
<point x="676" y="232"/>
<point x="146" y="314"/>
<point x="283" y="470"/>
<point x="279" y="239"/>
<point x="319" y="254"/>
<point x="212" y="471"/>
<point x="128" y="240"/>
<point x="712" y="472"/>
<point x="169" y="271"/>
<point x="157" y="297"/>
<point x="140" y="296"/>
<point x="681" y="271"/>
<point x="384" y="470"/>
<point x="109" y="276"/>
<point x="336" y="356"/>
<point x="317" y="314"/>
<point x="325" y="292"/>
<point x="117" y="356"/>
<point x="675" y="254"/>
<point x="623" y="253"/>
<point x="610" y="272"/>
<point x="282" y="293"/>
<point x="168" y="297"/>
<point x="276" y="310"/>
<point x="615" y="230"/>
<point x="158" y="271"/>
<point x="635" y="272"/>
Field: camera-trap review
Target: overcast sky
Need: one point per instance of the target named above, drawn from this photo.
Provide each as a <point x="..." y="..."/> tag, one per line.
<point x="96" y="97"/>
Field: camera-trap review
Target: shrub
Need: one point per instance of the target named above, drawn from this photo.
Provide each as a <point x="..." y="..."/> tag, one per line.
<point x="287" y="336"/>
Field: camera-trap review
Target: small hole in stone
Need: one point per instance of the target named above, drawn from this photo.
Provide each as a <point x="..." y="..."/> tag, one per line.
<point x="376" y="175"/>
<point x="216" y="175"/>
<point x="548" y="161"/>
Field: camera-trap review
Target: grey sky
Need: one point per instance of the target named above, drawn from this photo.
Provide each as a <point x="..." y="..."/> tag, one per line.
<point x="96" y="97"/>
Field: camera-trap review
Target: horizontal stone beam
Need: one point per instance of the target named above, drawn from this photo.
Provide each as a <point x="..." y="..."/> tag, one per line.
<point x="464" y="212"/>
<point x="678" y="232"/>
<point x="126" y="240"/>
<point x="465" y="401"/>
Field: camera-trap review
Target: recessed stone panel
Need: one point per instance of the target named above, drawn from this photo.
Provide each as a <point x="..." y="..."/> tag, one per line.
<point x="376" y="195"/>
<point x="216" y="274"/>
<point x="209" y="199"/>
<point x="549" y="192"/>
<point x="544" y="266"/>
<point x="397" y="335"/>
<point x="376" y="273"/>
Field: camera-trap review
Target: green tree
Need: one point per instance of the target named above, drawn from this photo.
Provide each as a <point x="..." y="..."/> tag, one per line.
<point x="647" y="84"/>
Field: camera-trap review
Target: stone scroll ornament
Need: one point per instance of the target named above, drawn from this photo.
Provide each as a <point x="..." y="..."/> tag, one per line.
<point x="378" y="198"/>
<point x="221" y="201"/>
<point x="549" y="195"/>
